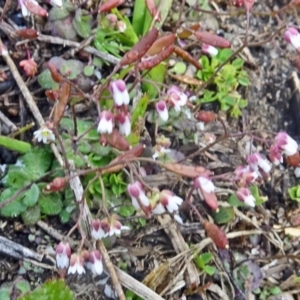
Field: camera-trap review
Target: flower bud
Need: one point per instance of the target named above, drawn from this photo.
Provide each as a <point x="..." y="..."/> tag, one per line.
<point x="119" y="92"/>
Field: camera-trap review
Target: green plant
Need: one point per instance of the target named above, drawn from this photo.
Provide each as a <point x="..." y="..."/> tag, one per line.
<point x="267" y="291"/>
<point x="202" y="262"/>
<point x="12" y="290"/>
<point x="224" y="86"/>
<point x="50" y="290"/>
<point x="294" y="193"/>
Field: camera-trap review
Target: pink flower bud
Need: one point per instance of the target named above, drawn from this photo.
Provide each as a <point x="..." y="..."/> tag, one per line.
<point x="275" y="155"/>
<point x="136" y="192"/>
<point x="119" y="92"/>
<point x="209" y="49"/>
<point x="98" y="232"/>
<point x="245" y="195"/>
<point x="162" y="110"/>
<point x="292" y="36"/>
<point x="245" y="175"/>
<point x="106" y="122"/>
<point x="121" y="26"/>
<point x="63" y="253"/>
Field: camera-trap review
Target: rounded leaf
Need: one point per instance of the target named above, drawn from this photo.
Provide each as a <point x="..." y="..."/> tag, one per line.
<point x="31" y="196"/>
<point x="50" y="204"/>
<point x="31" y="215"/>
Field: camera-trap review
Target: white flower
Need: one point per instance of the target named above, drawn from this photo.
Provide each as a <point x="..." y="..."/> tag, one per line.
<point x="56" y="2"/>
<point x="95" y="262"/>
<point x="44" y="134"/>
<point x="256" y="161"/>
<point x="292" y="36"/>
<point x="176" y="97"/>
<point x="136" y="191"/>
<point x="205" y="184"/>
<point x="158" y="209"/>
<point x="106" y="122"/>
<point x="286" y="144"/>
<point x="124" y="123"/>
<point x="76" y="264"/>
<point x="245" y="195"/>
<point x="97" y="232"/>
<point x="170" y="201"/>
<point x="63" y="253"/>
<point x="162" y="110"/>
<point x="210" y="50"/>
<point x="119" y="92"/>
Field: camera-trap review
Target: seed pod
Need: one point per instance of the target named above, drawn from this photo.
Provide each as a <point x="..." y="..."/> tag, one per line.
<point x="293" y="160"/>
<point x="63" y="98"/>
<point x="140" y="49"/>
<point x="212" y="39"/>
<point x="109" y="5"/>
<point x="217" y="235"/>
<point x="161" y="43"/>
<point x="27" y="33"/>
<point x="205" y="116"/>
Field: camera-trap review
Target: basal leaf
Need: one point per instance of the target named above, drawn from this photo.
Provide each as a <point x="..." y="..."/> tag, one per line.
<point x="50" y="204"/>
<point x="224" y="215"/>
<point x="14" y="208"/>
<point x="31" y="215"/>
<point x="31" y="196"/>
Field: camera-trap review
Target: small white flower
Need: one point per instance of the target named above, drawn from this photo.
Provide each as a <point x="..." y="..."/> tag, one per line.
<point x="44" y="134"/>
<point x="245" y="195"/>
<point x="97" y="231"/>
<point x="106" y="122"/>
<point x="162" y="110"/>
<point x="95" y="262"/>
<point x="158" y="209"/>
<point x="119" y="92"/>
<point x="124" y="123"/>
<point x="170" y="201"/>
<point x="63" y="253"/>
<point x="205" y="184"/>
<point x="209" y="49"/>
<point x="76" y="265"/>
<point x="56" y="2"/>
<point x="286" y="144"/>
<point x="256" y="161"/>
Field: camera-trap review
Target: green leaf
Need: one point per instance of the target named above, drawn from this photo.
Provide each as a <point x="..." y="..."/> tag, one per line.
<point x="224" y="215"/>
<point x="156" y="75"/>
<point x="37" y="162"/>
<point x="243" y="81"/>
<point x="64" y="216"/>
<point x="140" y="109"/>
<point x="14" y="144"/>
<point x="243" y="103"/>
<point x="238" y="63"/>
<point x="179" y="68"/>
<point x="45" y="80"/>
<point x="138" y="17"/>
<point x="88" y="70"/>
<point x="206" y="257"/>
<point x="5" y="291"/>
<point x="205" y="62"/>
<point x="258" y="199"/>
<point x="210" y="270"/>
<point x="228" y="71"/>
<point x="224" y="54"/>
<point x="31" y="196"/>
<point x="31" y="215"/>
<point x="14" y="208"/>
<point x="234" y="201"/>
<point x="126" y="211"/>
<point x="71" y="68"/>
<point x="22" y="285"/>
<point x="50" y="204"/>
<point x="82" y="24"/>
<point x="51" y="290"/>
<point x="82" y="126"/>
<point x="17" y="177"/>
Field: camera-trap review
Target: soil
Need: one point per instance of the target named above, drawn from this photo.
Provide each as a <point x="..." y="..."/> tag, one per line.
<point x="272" y="257"/>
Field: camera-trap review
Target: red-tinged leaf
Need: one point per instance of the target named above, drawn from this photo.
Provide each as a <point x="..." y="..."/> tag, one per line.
<point x="212" y="39"/>
<point x="187" y="57"/>
<point x="117" y="140"/>
<point x="109" y="5"/>
<point x="151" y="62"/>
<point x="63" y="99"/>
<point x="161" y="43"/>
<point x="58" y="184"/>
<point x="29" y="66"/>
<point x="54" y="73"/>
<point x="140" y="49"/>
<point x="35" y="8"/>
<point x="217" y="235"/>
<point x="205" y="116"/>
<point x="52" y="95"/>
<point x="153" y="10"/>
<point x="188" y="171"/>
<point x="27" y="33"/>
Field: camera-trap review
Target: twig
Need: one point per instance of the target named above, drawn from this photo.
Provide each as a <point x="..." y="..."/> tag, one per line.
<point x="8" y="122"/>
<point x="56" y="40"/>
<point x="111" y="269"/>
<point x="137" y="287"/>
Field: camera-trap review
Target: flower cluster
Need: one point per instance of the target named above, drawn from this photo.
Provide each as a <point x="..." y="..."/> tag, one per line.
<point x="176" y="98"/>
<point x="121" y="116"/>
<point x="77" y="262"/>
<point x="157" y="202"/>
<point x="106" y="227"/>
